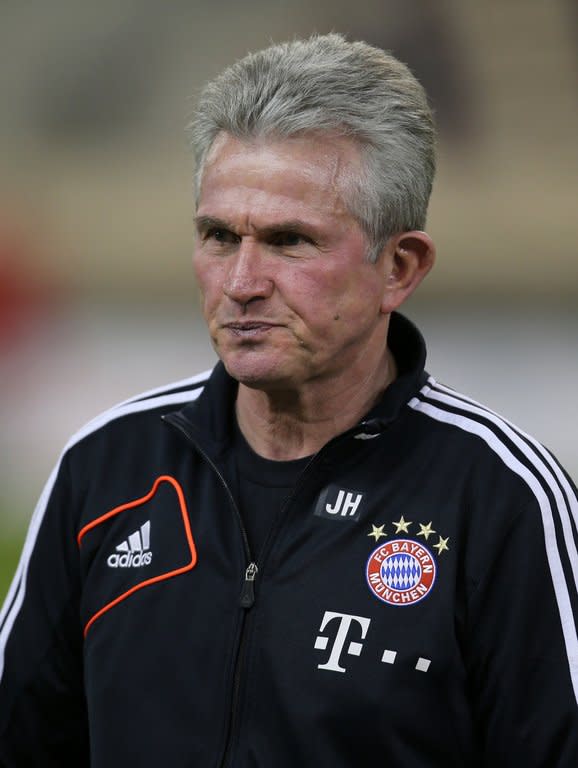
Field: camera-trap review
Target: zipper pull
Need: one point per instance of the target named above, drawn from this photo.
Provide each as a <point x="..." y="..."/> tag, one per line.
<point x="248" y="591"/>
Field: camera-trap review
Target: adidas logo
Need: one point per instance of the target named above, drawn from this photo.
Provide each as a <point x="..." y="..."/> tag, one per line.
<point x="134" y="552"/>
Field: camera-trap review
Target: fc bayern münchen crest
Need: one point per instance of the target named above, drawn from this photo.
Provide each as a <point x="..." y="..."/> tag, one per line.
<point x="401" y="572"/>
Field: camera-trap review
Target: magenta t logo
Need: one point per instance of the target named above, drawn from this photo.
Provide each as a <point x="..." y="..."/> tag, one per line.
<point x="345" y="624"/>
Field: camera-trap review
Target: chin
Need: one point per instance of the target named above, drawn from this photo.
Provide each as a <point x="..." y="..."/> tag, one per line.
<point x="258" y="374"/>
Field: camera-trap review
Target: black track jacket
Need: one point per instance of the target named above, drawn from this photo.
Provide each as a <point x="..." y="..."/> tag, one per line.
<point x="414" y="606"/>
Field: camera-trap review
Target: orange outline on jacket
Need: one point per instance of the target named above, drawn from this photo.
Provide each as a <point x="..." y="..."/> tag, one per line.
<point x="131" y="505"/>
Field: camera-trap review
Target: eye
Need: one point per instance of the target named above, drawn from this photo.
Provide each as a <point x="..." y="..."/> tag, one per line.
<point x="289" y="239"/>
<point x="220" y="235"/>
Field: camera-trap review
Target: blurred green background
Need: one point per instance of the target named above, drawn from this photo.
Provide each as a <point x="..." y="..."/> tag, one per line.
<point x="97" y="300"/>
<point x="9" y="553"/>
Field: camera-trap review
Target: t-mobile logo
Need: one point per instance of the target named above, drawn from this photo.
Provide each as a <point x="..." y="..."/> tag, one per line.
<point x="345" y="624"/>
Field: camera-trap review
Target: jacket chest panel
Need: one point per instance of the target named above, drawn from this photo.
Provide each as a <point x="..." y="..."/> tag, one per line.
<point x="163" y="538"/>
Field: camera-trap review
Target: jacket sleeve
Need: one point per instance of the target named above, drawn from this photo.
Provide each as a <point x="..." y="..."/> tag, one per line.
<point x="522" y="649"/>
<point x="42" y="706"/>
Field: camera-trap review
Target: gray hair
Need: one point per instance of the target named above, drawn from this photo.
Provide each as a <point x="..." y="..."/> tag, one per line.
<point x="326" y="84"/>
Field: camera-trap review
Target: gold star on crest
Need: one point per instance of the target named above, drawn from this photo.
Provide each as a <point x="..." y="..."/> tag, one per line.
<point x="402" y="525"/>
<point x="377" y="532"/>
<point x="426" y="530"/>
<point x="442" y="545"/>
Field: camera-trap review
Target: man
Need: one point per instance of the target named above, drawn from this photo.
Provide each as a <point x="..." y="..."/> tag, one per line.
<point x="317" y="556"/>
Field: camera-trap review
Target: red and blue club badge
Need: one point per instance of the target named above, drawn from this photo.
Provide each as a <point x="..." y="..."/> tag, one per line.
<point x="403" y="571"/>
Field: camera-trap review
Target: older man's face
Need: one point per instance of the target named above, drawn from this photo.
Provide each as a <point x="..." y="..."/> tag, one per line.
<point x="287" y="292"/>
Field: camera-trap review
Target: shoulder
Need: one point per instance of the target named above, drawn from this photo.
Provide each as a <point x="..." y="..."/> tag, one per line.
<point x="139" y="411"/>
<point x="493" y="437"/>
<point x="504" y="474"/>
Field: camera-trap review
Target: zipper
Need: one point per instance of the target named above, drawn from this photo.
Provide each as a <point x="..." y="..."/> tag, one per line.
<point x="246" y="602"/>
<point x="248" y="591"/>
<point x="247" y="596"/>
<point x="178" y="422"/>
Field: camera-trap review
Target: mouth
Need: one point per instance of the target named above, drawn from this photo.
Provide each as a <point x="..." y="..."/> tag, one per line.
<point x="249" y="328"/>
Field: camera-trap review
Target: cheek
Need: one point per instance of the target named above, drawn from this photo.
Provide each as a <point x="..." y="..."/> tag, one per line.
<point x="308" y="295"/>
<point x="341" y="296"/>
<point x="209" y="279"/>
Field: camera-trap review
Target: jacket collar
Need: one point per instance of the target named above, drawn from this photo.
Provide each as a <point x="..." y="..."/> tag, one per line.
<point x="211" y="416"/>
<point x="409" y="351"/>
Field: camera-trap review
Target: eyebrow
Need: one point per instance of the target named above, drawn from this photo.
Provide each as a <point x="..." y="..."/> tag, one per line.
<point x="205" y="223"/>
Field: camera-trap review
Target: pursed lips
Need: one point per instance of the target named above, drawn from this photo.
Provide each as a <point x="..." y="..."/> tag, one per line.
<point x="251" y="327"/>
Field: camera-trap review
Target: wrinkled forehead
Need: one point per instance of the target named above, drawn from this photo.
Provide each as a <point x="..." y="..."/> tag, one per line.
<point x="327" y="163"/>
<point x="307" y="175"/>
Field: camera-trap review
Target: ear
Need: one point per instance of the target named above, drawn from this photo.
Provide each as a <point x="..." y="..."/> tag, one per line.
<point x="407" y="258"/>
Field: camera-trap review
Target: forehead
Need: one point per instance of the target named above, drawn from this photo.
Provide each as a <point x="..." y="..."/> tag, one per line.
<point x="308" y="174"/>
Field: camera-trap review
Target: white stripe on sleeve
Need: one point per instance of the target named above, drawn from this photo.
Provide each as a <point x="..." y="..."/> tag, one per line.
<point x="17" y="591"/>
<point x="534" y="475"/>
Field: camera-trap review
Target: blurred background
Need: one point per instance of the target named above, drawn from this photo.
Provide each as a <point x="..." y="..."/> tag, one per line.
<point x="97" y="298"/>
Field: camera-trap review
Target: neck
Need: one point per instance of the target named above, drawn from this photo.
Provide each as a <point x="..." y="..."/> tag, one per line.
<point x="290" y="425"/>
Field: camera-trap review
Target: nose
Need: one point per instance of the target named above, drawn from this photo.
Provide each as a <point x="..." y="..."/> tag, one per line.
<point x="247" y="278"/>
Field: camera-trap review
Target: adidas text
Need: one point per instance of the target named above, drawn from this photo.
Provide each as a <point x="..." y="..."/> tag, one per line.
<point x="129" y="560"/>
<point x="133" y="552"/>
